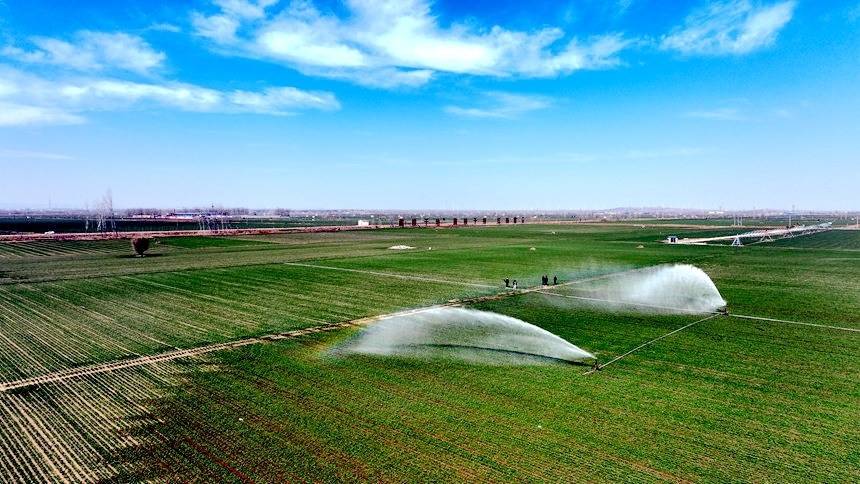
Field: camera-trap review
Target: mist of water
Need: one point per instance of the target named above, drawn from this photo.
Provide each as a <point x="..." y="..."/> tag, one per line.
<point x="661" y="289"/>
<point x="464" y="334"/>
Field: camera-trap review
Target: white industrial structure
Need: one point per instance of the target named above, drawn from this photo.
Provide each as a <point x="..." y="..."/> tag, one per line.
<point x="763" y="235"/>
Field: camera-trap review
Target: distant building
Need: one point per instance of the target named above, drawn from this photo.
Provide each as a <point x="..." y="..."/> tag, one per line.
<point x="363" y="223"/>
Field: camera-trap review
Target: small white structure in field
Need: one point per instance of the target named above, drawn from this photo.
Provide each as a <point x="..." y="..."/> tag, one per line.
<point x="401" y="247"/>
<point x="364" y="223"/>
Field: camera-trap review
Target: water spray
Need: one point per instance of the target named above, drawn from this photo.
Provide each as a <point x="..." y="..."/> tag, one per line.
<point x="464" y="334"/>
<point x="677" y="288"/>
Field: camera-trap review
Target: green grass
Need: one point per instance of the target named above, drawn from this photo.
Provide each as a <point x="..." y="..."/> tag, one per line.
<point x="719" y="402"/>
<point x="833" y="239"/>
<point x="50" y="248"/>
<point x="725" y="400"/>
<point x="201" y="242"/>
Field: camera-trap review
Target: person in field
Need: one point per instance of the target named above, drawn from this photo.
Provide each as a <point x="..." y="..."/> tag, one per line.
<point x="554" y="280"/>
<point x="515" y="283"/>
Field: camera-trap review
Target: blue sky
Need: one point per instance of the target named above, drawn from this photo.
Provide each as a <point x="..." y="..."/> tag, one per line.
<point x="414" y="104"/>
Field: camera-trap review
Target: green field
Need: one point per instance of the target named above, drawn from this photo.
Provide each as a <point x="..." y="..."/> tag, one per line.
<point x="726" y="399"/>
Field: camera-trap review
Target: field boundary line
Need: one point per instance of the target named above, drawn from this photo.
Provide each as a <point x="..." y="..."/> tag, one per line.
<point x="511" y="291"/>
<point x="72" y="373"/>
<point x="774" y="320"/>
<point x="647" y="343"/>
<point x="114" y="365"/>
<point x="689" y="311"/>
<point x="392" y="274"/>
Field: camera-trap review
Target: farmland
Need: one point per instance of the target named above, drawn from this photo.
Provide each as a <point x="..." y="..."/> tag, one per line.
<point x="725" y="399"/>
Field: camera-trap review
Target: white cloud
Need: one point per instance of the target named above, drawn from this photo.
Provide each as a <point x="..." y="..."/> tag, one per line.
<point x="502" y="105"/>
<point x="384" y="77"/>
<point x="733" y="27"/>
<point x="91" y="51"/>
<point x="164" y="27"/>
<point x="278" y="100"/>
<point x="27" y="99"/>
<point x="719" y="114"/>
<point x="245" y="8"/>
<point x="220" y="28"/>
<point x="13" y="114"/>
<point x="395" y="36"/>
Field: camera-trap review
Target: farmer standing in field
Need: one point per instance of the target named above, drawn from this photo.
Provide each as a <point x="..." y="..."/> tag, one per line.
<point x="515" y="283"/>
<point x="554" y="280"/>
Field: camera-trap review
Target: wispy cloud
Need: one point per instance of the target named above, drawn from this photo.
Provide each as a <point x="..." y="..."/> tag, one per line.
<point x="33" y="155"/>
<point x="401" y="36"/>
<point x="718" y="114"/>
<point x="29" y="99"/>
<point x="661" y="153"/>
<point x="164" y="27"/>
<point x="623" y="6"/>
<point x="91" y="51"/>
<point x="502" y="105"/>
<point x="731" y="27"/>
<point x="573" y="157"/>
<point x="13" y="114"/>
<point x="854" y="13"/>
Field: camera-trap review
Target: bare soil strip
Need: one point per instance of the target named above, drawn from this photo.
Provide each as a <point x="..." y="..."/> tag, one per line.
<point x="28" y="237"/>
<point x="179" y="233"/>
<point x="682" y="328"/>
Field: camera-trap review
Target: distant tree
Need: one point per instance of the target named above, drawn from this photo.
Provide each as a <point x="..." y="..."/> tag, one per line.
<point x="140" y="245"/>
